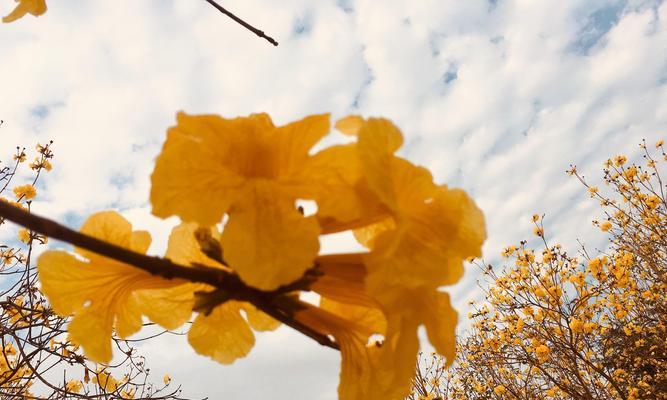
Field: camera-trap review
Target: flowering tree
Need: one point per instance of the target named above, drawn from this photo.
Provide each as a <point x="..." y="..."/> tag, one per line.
<point x="38" y="359"/>
<point x="245" y="175"/>
<point x="245" y="250"/>
<point x="557" y="326"/>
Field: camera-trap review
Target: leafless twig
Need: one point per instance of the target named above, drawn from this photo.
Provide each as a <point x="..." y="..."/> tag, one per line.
<point x="246" y="25"/>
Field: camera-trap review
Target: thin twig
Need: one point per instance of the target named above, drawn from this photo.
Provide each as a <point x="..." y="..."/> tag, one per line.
<point x="275" y="304"/>
<point x="246" y="25"/>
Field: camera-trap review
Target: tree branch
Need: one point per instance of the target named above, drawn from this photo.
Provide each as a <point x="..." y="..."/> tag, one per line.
<point x="242" y="22"/>
<point x="274" y="303"/>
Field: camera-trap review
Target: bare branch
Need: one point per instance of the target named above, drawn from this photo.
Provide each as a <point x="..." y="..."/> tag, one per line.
<point x="246" y="25"/>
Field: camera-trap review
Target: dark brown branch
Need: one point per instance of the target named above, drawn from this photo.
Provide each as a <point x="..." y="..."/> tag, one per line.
<point x="276" y="303"/>
<point x="242" y="22"/>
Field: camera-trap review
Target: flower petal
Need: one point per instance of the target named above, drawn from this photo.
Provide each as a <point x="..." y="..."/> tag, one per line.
<point x="140" y="241"/>
<point x="369" y="317"/>
<point x="378" y="140"/>
<point x="60" y="274"/>
<point x="440" y="320"/>
<point x="170" y="308"/>
<point x="91" y="328"/>
<point x="329" y="177"/>
<point x="223" y="335"/>
<point x="342" y="279"/>
<point x="436" y="228"/>
<point x="367" y="235"/>
<point x="267" y="241"/>
<point x="357" y="359"/>
<point x="99" y="292"/>
<point x="183" y="247"/>
<point x="396" y="359"/>
<point x="350" y="125"/>
<point x="109" y="226"/>
<point x="333" y="177"/>
<point x="34" y="7"/>
<point x="292" y="143"/>
<point x="97" y="295"/>
<point x="196" y="163"/>
<point x="128" y="316"/>
<point x="259" y="320"/>
<point x="470" y="232"/>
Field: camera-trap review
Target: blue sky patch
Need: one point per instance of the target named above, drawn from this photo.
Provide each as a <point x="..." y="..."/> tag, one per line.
<point x="303" y="25"/>
<point x="598" y="23"/>
<point x="450" y="75"/>
<point x="42" y="111"/>
<point x="346" y="6"/>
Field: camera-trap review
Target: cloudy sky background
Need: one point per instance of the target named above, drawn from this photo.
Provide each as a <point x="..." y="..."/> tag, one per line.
<point x="496" y="97"/>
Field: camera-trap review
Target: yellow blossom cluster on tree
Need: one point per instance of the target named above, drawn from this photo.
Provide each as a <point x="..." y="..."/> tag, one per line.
<point x="37" y="358"/>
<point x="245" y="249"/>
<point x="557" y="326"/>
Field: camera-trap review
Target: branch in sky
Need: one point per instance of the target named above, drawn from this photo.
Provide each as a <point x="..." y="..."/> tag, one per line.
<point x="246" y="25"/>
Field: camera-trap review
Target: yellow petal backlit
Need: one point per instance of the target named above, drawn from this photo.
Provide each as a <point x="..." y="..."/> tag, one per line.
<point x="98" y="295"/>
<point x="223" y="335"/>
<point x="342" y="279"/>
<point x="101" y="293"/>
<point x="91" y="328"/>
<point x="329" y="177"/>
<point x="267" y="241"/>
<point x="350" y="125"/>
<point x="108" y="225"/>
<point x="334" y="178"/>
<point x="184" y="249"/>
<point x="291" y="145"/>
<point x="378" y="140"/>
<point x="357" y="359"/>
<point x="140" y="241"/>
<point x="171" y="307"/>
<point x="440" y="320"/>
<point x="194" y="167"/>
<point x="396" y="359"/>
<point x="369" y="317"/>
<point x="259" y="320"/>
<point x="34" y="7"/>
<point x="367" y="235"/>
<point x="434" y="230"/>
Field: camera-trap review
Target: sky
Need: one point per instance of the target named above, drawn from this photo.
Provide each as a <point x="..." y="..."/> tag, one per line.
<point x="497" y="97"/>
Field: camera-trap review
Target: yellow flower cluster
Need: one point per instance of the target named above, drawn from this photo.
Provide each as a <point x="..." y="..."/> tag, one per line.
<point x="27" y="192"/>
<point x="12" y="374"/>
<point x="558" y="327"/>
<point x="37" y="358"/>
<point x="248" y="175"/>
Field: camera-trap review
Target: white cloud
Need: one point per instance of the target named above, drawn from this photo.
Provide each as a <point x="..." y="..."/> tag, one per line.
<point x="495" y="97"/>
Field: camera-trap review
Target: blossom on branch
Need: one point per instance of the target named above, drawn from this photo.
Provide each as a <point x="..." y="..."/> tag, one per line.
<point x="246" y="175"/>
<point x="103" y="293"/>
